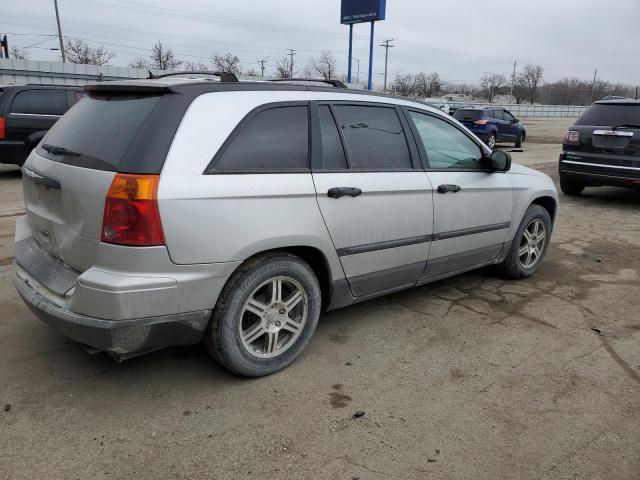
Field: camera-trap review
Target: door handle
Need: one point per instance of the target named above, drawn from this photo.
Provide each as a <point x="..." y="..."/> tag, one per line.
<point x="337" y="192"/>
<point x="449" y="188"/>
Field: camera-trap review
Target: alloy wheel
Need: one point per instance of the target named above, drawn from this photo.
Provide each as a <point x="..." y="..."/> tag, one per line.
<point x="532" y="244"/>
<point x="273" y="317"/>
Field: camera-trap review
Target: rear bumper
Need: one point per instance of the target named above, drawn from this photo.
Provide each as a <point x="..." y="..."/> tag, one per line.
<point x="121" y="338"/>
<point x="596" y="172"/>
<point x="15" y="152"/>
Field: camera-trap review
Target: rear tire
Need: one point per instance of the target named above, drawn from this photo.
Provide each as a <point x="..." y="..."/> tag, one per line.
<point x="491" y="141"/>
<point x="528" y="249"/>
<point x="256" y="328"/>
<point x="570" y="187"/>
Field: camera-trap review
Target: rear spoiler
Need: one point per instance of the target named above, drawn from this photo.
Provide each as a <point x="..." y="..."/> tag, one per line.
<point x="126" y="87"/>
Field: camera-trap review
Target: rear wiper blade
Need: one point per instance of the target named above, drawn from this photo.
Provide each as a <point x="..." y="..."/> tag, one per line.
<point x="626" y="125"/>
<point x="53" y="149"/>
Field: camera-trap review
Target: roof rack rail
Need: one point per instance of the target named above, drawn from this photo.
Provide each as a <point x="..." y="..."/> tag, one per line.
<point x="328" y="81"/>
<point x="224" y="76"/>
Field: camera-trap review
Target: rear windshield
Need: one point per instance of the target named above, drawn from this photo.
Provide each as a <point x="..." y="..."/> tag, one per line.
<point x="602" y="114"/>
<point x="467" y="114"/>
<point x="98" y="130"/>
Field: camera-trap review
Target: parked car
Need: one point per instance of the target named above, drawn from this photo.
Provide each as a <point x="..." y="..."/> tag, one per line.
<point x="173" y="211"/>
<point x="492" y="125"/>
<point x="26" y="113"/>
<point x="602" y="147"/>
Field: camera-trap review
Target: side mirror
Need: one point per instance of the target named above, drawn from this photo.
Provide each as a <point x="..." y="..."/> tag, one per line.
<point x="515" y="120"/>
<point x="499" y="161"/>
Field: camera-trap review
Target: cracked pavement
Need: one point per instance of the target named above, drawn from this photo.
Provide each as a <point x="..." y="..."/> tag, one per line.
<point x="473" y="377"/>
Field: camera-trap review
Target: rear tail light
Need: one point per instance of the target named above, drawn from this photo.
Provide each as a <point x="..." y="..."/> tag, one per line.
<point x="131" y="214"/>
<point x="571" y="137"/>
<point x="480" y="122"/>
<point x="2" y="125"/>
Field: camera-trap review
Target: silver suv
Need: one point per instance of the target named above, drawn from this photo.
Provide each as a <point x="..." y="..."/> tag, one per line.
<point x="172" y="211"/>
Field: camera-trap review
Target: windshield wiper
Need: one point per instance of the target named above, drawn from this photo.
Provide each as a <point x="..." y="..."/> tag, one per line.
<point x="626" y="125"/>
<point x="59" y="150"/>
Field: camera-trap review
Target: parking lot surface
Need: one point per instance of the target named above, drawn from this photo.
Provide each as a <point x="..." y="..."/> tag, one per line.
<point x="474" y="377"/>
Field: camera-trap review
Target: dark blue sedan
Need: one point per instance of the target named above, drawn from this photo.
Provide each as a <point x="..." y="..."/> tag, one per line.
<point x="492" y="125"/>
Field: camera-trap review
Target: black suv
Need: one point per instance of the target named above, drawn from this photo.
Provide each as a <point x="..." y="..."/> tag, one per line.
<point x="602" y="147"/>
<point x="26" y="113"/>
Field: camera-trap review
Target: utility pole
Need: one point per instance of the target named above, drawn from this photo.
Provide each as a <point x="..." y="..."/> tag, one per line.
<point x="357" y="70"/>
<point x="55" y="3"/>
<point x="262" y="62"/>
<point x="513" y="80"/>
<point x="386" y="46"/>
<point x="593" y="85"/>
<point x="291" y="53"/>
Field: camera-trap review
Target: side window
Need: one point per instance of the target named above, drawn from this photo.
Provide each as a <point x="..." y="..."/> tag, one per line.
<point x="374" y="137"/>
<point x="332" y="150"/>
<point x="446" y="146"/>
<point x="508" y="117"/>
<point x="498" y="114"/>
<point x="274" y="139"/>
<point x="40" y="102"/>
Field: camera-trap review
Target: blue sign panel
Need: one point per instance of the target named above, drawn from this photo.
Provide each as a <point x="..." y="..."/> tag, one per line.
<point x="359" y="11"/>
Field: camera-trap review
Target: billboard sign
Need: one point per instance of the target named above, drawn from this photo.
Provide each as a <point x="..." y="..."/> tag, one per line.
<point x="359" y="11"/>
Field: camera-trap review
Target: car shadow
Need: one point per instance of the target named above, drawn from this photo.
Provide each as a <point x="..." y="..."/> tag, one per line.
<point x="10" y="171"/>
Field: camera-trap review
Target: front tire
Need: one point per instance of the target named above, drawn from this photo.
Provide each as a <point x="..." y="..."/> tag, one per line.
<point x="519" y="140"/>
<point x="265" y="315"/>
<point x="570" y="187"/>
<point x="529" y="244"/>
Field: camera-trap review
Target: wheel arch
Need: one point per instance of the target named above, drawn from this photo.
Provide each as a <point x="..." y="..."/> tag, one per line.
<point x="314" y="257"/>
<point x="549" y="204"/>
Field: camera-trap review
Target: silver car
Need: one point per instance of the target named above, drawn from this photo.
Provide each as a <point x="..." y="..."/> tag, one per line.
<point x="172" y="211"/>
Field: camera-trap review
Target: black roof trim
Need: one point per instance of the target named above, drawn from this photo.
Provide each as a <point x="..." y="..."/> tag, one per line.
<point x="224" y="76"/>
<point x="328" y="81"/>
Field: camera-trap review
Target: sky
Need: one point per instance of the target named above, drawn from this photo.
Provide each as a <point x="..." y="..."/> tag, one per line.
<point x="460" y="39"/>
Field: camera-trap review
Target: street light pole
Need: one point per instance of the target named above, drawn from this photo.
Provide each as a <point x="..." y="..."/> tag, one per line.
<point x="357" y="70"/>
<point x="55" y="3"/>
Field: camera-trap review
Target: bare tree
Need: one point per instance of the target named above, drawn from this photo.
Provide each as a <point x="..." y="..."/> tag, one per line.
<point x="19" y="53"/>
<point x="405" y="85"/>
<point x="139" y="62"/>
<point x="252" y="72"/>
<point x="325" y="65"/>
<point x="226" y="63"/>
<point x="283" y="67"/>
<point x="529" y="80"/>
<point x="78" y="51"/>
<point x="194" y="66"/>
<point x="428" y="84"/>
<point x="163" y="58"/>
<point x="491" y="84"/>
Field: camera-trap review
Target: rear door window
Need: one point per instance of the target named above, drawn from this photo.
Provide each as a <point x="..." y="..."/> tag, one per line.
<point x="272" y="140"/>
<point x="498" y="114"/>
<point x="99" y="130"/>
<point x="602" y="114"/>
<point x="333" y="157"/>
<point x="40" y="102"/>
<point x="374" y="137"/>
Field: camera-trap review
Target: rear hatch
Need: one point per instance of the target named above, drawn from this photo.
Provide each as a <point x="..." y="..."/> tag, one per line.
<point x="66" y="178"/>
<point x="608" y="135"/>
